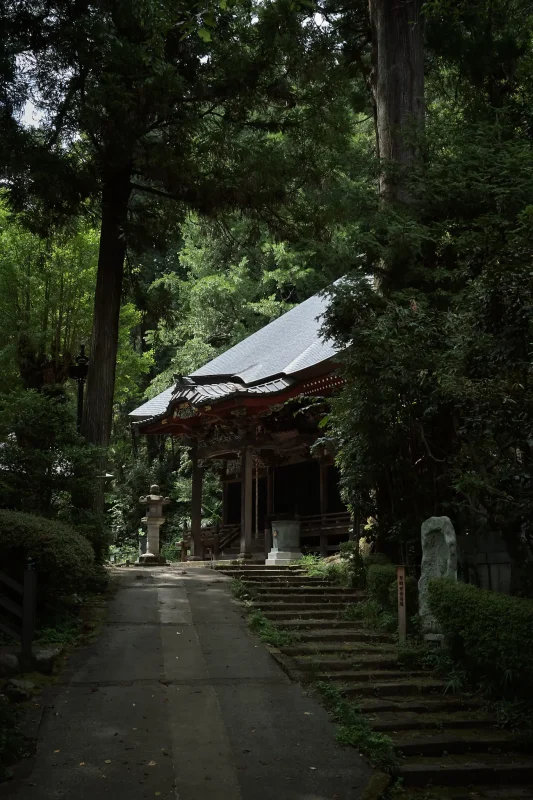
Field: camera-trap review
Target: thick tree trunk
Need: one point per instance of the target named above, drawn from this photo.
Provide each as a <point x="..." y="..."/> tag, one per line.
<point x="98" y="410"/>
<point x="398" y="89"/>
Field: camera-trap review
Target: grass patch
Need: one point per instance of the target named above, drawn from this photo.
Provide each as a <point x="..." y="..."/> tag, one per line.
<point x="267" y="631"/>
<point x="352" y="612"/>
<point x="354" y="729"/>
<point x="338" y="572"/>
<point x="257" y="622"/>
<point x="241" y="590"/>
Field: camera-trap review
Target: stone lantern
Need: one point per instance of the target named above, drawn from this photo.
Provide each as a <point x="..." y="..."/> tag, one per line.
<point x="154" y="519"/>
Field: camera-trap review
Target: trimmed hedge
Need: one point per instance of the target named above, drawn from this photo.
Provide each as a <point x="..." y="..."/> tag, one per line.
<point x="379" y="578"/>
<point x="383" y="588"/>
<point x="488" y="633"/>
<point x="64" y="559"/>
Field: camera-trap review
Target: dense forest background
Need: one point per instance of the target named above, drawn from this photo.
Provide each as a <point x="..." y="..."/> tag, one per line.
<point x="177" y="175"/>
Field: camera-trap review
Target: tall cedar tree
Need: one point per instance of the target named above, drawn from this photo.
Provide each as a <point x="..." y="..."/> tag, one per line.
<point x="149" y="101"/>
<point x="397" y="89"/>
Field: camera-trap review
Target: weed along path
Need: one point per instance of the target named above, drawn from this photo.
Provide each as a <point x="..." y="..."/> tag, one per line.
<point x="176" y="699"/>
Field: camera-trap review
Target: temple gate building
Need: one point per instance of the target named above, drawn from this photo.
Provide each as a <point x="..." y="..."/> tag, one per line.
<point x="256" y="409"/>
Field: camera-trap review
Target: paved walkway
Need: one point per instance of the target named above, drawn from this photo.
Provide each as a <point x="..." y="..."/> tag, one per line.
<point x="177" y="700"/>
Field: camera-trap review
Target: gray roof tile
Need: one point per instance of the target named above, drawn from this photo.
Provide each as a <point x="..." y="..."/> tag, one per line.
<point x="284" y="347"/>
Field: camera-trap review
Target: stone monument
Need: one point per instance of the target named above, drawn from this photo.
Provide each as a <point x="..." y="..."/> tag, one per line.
<point x="285" y="542"/>
<point x="154" y="519"/>
<point x="439" y="560"/>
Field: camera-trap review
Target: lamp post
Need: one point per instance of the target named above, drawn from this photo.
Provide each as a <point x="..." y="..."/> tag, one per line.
<point x="78" y="372"/>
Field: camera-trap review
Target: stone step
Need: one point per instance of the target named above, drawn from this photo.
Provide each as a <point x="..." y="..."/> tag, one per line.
<point x="310" y="608"/>
<point x="328" y="630"/>
<point x="305" y="598"/>
<point x="315" y="591"/>
<point x="404" y="687"/>
<point x="280" y="582"/>
<point x="476" y="792"/>
<point x="420" y="705"/>
<point x="466" y="770"/>
<point x="318" y="646"/>
<point x="260" y="580"/>
<point x="377" y="676"/>
<point x="350" y="661"/>
<point x="453" y="742"/>
<point x="437" y="720"/>
<point x="319" y="613"/>
<point x="262" y="568"/>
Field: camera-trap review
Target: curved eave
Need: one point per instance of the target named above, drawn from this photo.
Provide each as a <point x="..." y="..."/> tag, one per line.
<point x="205" y="414"/>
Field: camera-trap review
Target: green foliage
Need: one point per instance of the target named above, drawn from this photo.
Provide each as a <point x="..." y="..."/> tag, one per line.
<point x="488" y="634"/>
<point x="380" y="580"/>
<point x="352" y="611"/>
<point x="354" y="729"/>
<point x="43" y="462"/>
<point x="64" y="560"/>
<point x="437" y="409"/>
<point x="268" y="632"/>
<point x="13" y="745"/>
<point x="350" y="553"/>
<point x="241" y="590"/>
<point x="46" y="300"/>
<point x="348" y="572"/>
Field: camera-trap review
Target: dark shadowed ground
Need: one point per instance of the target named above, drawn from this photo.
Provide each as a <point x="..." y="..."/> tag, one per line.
<point x="177" y="700"/>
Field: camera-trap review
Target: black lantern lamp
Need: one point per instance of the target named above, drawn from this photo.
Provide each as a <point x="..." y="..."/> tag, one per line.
<point x="78" y="372"/>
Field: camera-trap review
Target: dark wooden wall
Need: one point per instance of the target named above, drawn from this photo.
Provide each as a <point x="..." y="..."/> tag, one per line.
<point x="296" y="491"/>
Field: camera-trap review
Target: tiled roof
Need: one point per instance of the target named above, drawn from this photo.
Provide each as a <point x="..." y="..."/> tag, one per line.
<point x="283" y="347"/>
<point x="204" y="395"/>
<point x="261" y="364"/>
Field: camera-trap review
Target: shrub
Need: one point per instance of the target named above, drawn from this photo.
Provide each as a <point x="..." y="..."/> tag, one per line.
<point x="489" y="635"/>
<point x="93" y="528"/>
<point x="380" y="578"/>
<point x="64" y="559"/>
<point x="375" y="558"/>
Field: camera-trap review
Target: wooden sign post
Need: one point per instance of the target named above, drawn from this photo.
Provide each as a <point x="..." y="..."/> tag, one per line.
<point x="402" y="611"/>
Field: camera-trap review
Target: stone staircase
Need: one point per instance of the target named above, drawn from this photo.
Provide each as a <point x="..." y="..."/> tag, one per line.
<point x="449" y="745"/>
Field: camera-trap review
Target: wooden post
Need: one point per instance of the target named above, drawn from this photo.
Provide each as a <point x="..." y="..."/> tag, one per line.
<point x="29" y="600"/>
<point x="224" y="494"/>
<point x="269" y="509"/>
<point x="216" y="546"/>
<point x="184" y="547"/>
<point x="246" y="502"/>
<point x="196" y="508"/>
<point x="402" y="609"/>
<point x="323" y="507"/>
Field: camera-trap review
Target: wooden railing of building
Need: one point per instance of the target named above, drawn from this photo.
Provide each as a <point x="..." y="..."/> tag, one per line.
<point x="213" y="541"/>
<point x="323" y="527"/>
<point x="19" y="622"/>
<point x="319" y="533"/>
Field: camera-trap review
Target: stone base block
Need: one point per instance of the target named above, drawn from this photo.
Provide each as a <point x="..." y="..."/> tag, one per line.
<point x="283" y="557"/>
<point x="149" y="560"/>
<point x="434" y="639"/>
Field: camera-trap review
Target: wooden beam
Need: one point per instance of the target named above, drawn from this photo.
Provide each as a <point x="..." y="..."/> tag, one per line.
<point x="257" y="442"/>
<point x="196" y="507"/>
<point x="323" y="487"/>
<point x="269" y="509"/>
<point x="224" y="495"/>
<point x="323" y="506"/>
<point x="246" y="503"/>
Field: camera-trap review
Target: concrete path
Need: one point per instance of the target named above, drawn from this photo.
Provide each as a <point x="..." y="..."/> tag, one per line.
<point x="177" y="700"/>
